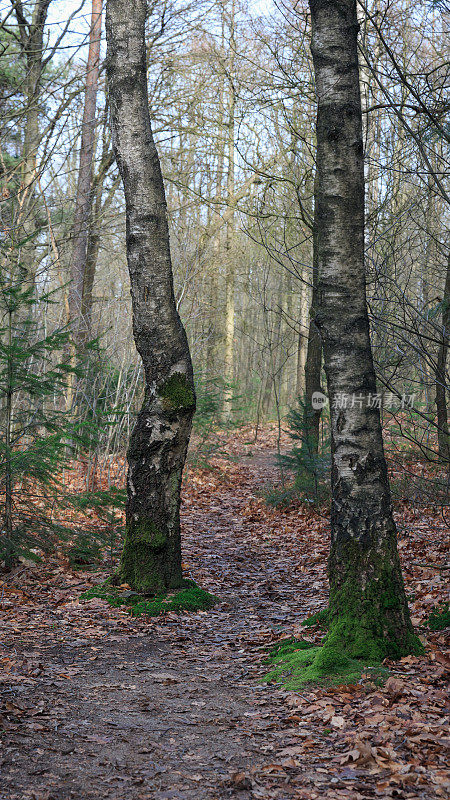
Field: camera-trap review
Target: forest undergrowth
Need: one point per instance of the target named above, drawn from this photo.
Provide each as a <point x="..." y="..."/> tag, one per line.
<point x="98" y="703"/>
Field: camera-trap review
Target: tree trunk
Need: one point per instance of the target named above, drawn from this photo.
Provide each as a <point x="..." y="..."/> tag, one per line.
<point x="441" y="376"/>
<point x="368" y="611"/>
<point x="230" y="266"/>
<point x="94" y="234"/>
<point x="287" y="372"/>
<point x="302" y="344"/>
<point x="313" y="363"/>
<point x="151" y="559"/>
<point x="83" y="205"/>
<point x="31" y="37"/>
<point x="214" y="333"/>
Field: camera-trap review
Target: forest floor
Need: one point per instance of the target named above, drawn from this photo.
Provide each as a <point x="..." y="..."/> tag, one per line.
<point x="97" y="704"/>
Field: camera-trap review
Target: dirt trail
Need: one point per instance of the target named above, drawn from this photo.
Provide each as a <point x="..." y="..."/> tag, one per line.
<point x="125" y="709"/>
<point x="101" y="706"/>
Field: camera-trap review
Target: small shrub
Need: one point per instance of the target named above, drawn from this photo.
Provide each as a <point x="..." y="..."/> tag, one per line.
<point x="308" y="468"/>
<point x="85" y="551"/>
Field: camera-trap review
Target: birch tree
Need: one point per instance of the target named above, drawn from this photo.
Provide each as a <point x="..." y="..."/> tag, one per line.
<point x="368" y="611"/>
<point x="151" y="559"/>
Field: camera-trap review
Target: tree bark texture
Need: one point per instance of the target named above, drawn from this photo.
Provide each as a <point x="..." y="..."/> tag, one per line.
<point x="151" y="559"/>
<point x="368" y="611"/>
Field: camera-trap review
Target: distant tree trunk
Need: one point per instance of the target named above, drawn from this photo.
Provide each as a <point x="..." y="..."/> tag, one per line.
<point x="302" y="343"/>
<point x="313" y="363"/>
<point x="92" y="251"/>
<point x="230" y="276"/>
<point x="151" y="559"/>
<point x="273" y="339"/>
<point x="31" y="37"/>
<point x="288" y="306"/>
<point x="214" y="333"/>
<point x="83" y="204"/>
<point x="441" y="375"/>
<point x="368" y="611"/>
<point x="213" y="304"/>
<point x="94" y="234"/>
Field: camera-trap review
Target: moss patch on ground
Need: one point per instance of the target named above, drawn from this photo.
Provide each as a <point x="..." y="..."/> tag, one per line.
<point x="439" y="618"/>
<point x="296" y="662"/>
<point x="189" y="598"/>
<point x="319" y="618"/>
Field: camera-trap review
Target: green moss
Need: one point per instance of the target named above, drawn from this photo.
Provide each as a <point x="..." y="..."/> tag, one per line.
<point x="331" y="661"/>
<point x="189" y="598"/>
<point x="364" y="622"/>
<point x="286" y="646"/>
<point x="296" y="666"/>
<point x="140" y="567"/>
<point x="370" y="621"/>
<point x="147" y="533"/>
<point x="151" y="561"/>
<point x="107" y="591"/>
<point x="192" y="598"/>
<point x="319" y="618"/>
<point x="367" y="622"/>
<point x="439" y="618"/>
<point x="177" y="393"/>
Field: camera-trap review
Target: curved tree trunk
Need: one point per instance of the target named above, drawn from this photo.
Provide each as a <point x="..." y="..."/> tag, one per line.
<point x="151" y="559"/>
<point x="369" y="615"/>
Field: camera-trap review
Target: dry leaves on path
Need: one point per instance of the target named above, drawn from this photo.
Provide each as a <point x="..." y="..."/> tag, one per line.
<point x="96" y="704"/>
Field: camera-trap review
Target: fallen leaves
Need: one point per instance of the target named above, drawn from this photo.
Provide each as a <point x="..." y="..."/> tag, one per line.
<point x="268" y="568"/>
<point x="362" y="753"/>
<point x="338" y="722"/>
<point x="394" y="688"/>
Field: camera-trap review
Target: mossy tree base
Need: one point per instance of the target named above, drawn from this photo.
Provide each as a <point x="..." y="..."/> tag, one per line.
<point x="190" y="598"/>
<point x="367" y="622"/>
<point x="297" y="663"/>
<point x="150" y="561"/>
<point x="151" y="557"/>
<point x="368" y="615"/>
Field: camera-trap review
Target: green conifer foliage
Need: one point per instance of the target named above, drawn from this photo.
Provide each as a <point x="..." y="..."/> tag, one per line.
<point x="36" y="434"/>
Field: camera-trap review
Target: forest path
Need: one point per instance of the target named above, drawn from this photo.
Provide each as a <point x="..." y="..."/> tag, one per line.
<point x="100" y="706"/>
<point x="110" y="707"/>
